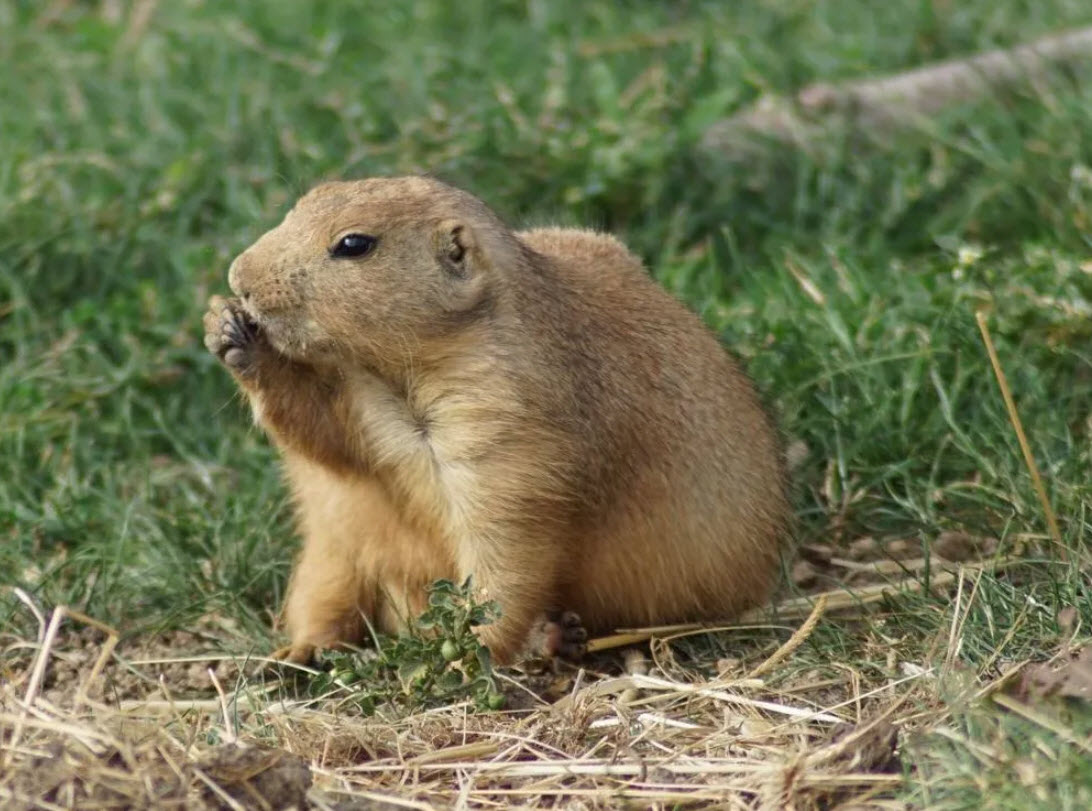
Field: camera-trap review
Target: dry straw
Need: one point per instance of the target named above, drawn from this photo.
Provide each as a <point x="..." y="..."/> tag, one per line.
<point x="1021" y="437"/>
<point x="776" y="736"/>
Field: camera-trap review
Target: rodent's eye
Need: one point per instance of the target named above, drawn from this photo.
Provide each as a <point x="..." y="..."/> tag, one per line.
<point x="354" y="245"/>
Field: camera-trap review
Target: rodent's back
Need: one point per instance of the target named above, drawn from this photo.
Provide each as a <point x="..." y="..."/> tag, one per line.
<point x="685" y="463"/>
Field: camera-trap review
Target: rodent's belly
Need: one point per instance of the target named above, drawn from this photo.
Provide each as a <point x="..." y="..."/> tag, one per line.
<point x="636" y="573"/>
<point x="354" y="521"/>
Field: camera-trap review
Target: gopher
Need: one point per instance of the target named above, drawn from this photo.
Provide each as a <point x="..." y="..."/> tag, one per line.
<point x="530" y="409"/>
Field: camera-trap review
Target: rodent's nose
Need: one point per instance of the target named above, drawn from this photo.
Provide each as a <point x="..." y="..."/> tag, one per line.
<point x="263" y="284"/>
<point x="235" y="278"/>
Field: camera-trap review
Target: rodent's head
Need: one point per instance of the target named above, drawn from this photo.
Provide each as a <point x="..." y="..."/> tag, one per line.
<point x="373" y="268"/>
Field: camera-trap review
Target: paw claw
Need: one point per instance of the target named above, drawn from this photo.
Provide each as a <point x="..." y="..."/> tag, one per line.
<point x="570" y="619"/>
<point x="230" y="334"/>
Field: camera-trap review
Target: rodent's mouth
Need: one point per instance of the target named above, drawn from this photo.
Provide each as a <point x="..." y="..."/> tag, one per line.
<point x="274" y="327"/>
<point x="282" y="330"/>
<point x="266" y="324"/>
<point x="251" y="312"/>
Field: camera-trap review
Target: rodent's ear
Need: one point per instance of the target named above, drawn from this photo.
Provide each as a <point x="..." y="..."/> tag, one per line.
<point x="455" y="247"/>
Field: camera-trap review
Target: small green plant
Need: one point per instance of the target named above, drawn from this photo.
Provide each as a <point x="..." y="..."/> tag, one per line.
<point x="436" y="660"/>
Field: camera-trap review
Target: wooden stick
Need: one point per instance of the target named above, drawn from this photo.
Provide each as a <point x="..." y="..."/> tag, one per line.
<point x="795" y="608"/>
<point x="889" y="104"/>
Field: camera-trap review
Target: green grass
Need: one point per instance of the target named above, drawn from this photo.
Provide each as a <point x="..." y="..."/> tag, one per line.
<point x="135" y="162"/>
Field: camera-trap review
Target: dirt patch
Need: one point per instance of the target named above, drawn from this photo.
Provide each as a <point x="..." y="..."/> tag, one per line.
<point x="142" y="774"/>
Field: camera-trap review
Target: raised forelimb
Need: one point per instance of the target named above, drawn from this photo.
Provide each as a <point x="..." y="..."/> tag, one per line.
<point x="301" y="408"/>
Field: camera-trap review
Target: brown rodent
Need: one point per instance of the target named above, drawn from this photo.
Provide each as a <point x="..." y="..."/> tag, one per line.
<point x="453" y="399"/>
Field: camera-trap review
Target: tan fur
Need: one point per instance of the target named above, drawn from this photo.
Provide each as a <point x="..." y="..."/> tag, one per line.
<point x="527" y="408"/>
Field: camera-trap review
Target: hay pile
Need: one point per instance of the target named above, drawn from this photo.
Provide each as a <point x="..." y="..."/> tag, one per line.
<point x="86" y="722"/>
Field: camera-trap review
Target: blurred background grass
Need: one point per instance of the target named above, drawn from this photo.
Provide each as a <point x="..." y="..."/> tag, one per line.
<point x="143" y="144"/>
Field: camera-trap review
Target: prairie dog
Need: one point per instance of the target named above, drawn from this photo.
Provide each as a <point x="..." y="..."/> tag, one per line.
<point x="452" y="398"/>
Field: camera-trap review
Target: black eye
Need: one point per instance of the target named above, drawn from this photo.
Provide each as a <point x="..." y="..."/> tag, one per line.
<point x="354" y="245"/>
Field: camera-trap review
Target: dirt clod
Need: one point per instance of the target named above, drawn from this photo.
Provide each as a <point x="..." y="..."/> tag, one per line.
<point x="255" y="778"/>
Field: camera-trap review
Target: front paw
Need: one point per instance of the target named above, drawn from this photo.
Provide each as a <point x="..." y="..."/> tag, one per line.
<point x="298" y="653"/>
<point x="231" y="335"/>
